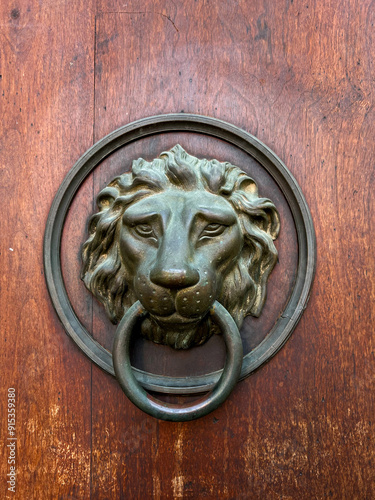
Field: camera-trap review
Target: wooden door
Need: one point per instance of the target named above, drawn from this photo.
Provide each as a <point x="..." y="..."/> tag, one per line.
<point x="300" y="77"/>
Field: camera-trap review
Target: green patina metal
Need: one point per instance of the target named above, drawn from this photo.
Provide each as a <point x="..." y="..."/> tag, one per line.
<point x="180" y="228"/>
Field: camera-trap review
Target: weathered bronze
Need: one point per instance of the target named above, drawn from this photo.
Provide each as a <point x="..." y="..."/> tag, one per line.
<point x="297" y="300"/>
<point x="187" y="245"/>
<point x="177" y="234"/>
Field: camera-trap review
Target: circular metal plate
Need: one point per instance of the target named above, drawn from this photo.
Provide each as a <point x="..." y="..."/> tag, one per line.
<point x="233" y="135"/>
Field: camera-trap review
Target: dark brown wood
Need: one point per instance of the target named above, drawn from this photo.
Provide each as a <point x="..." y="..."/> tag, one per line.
<point x="299" y="76"/>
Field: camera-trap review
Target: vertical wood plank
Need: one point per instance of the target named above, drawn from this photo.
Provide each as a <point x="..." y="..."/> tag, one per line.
<point x="46" y="95"/>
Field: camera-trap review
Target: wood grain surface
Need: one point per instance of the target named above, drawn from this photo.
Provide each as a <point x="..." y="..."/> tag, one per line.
<point x="300" y="77"/>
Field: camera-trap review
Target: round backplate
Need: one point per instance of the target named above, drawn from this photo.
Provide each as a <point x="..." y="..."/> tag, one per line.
<point x="147" y="127"/>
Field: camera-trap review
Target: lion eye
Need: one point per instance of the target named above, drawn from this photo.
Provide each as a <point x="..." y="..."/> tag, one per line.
<point x="213" y="229"/>
<point x="144" y="230"/>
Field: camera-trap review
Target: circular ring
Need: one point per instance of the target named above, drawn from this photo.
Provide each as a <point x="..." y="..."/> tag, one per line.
<point x="176" y="413"/>
<point x="181" y="122"/>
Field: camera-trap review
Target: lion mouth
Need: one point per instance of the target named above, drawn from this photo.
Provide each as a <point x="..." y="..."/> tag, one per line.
<point x="175" y="330"/>
<point x="175" y="319"/>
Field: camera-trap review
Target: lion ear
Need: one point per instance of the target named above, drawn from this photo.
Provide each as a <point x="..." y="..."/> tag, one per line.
<point x="261" y="230"/>
<point x="269" y="220"/>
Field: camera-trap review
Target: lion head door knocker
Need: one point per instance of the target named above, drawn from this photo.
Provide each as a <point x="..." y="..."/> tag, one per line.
<point x="181" y="241"/>
<point x="180" y="249"/>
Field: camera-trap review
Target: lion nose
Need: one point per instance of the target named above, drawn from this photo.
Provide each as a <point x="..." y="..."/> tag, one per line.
<point x="174" y="278"/>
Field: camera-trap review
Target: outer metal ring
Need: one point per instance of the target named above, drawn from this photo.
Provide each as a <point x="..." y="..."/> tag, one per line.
<point x="176" y="413"/>
<point x="233" y="135"/>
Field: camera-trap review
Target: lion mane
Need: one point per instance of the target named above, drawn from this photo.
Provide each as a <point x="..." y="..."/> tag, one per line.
<point x="244" y="288"/>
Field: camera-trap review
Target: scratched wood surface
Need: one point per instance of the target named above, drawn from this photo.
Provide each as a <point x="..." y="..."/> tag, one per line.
<point x="299" y="76"/>
<point x="46" y="92"/>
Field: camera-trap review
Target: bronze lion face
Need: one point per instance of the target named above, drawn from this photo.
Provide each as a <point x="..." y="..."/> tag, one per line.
<point x="177" y="234"/>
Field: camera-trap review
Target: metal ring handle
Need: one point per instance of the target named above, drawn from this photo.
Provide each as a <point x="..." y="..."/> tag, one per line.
<point x="176" y="413"/>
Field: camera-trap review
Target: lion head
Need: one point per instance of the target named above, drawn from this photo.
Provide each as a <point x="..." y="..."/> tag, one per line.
<point x="177" y="234"/>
